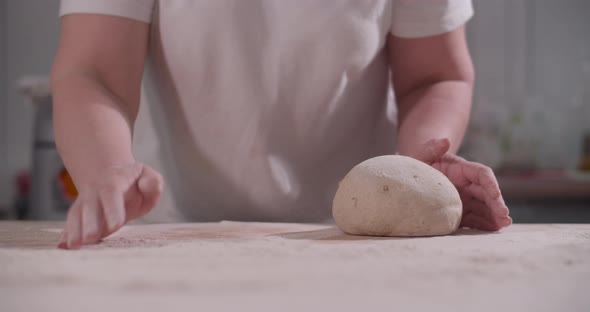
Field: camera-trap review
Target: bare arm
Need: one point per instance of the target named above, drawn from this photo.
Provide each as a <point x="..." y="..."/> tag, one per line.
<point x="433" y="82"/>
<point x="95" y="83"/>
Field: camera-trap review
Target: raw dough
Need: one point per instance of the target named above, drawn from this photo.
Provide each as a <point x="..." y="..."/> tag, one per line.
<point x="396" y="196"/>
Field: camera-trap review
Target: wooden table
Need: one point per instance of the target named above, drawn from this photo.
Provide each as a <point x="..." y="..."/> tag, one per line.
<point x="295" y="267"/>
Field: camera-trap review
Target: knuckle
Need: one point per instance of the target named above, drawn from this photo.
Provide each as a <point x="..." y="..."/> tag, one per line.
<point x="129" y="174"/>
<point x="486" y="171"/>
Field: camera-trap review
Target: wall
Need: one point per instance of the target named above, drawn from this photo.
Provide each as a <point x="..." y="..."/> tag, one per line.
<point x="532" y="98"/>
<point x="3" y="111"/>
<point x="30" y="30"/>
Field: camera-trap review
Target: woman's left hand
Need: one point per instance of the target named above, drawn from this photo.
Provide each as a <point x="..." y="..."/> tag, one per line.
<point x="483" y="205"/>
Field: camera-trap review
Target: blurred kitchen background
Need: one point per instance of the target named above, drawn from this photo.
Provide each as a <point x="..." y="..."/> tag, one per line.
<point x="531" y="119"/>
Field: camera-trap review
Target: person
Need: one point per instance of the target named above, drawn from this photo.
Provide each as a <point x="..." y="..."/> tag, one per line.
<point x="262" y="106"/>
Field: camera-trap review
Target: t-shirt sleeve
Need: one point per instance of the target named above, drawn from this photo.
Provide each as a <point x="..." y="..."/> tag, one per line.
<point x="140" y="10"/>
<point x="423" y="18"/>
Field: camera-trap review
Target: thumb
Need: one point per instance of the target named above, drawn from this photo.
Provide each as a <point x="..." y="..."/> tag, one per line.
<point x="432" y="150"/>
<point x="150" y="185"/>
<point x="148" y="188"/>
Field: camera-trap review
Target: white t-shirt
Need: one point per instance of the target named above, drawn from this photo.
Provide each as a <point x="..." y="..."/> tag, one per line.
<point x="262" y="106"/>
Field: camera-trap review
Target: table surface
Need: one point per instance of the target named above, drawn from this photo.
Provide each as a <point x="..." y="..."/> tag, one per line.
<point x="293" y="267"/>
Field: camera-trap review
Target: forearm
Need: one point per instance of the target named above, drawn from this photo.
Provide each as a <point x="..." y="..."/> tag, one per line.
<point x="93" y="129"/>
<point x="437" y="110"/>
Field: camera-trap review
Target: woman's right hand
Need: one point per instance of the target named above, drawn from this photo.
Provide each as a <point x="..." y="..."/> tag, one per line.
<point x="119" y="195"/>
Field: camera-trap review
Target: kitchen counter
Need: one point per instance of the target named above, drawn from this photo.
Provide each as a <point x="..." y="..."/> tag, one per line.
<point x="295" y="267"/>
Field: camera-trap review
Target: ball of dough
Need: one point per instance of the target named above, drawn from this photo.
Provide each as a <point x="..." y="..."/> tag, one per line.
<point x="396" y="196"/>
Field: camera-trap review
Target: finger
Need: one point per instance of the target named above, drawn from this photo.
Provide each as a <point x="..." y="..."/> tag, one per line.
<point x="113" y="209"/>
<point x="92" y="224"/>
<point x="150" y="186"/>
<point x="498" y="207"/>
<point x="494" y="211"/>
<point x="475" y="191"/>
<point x="477" y="222"/>
<point x="482" y="175"/>
<point x="501" y="209"/>
<point x="507" y="221"/>
<point x="495" y="205"/>
<point x="433" y="150"/>
<point x="63" y="240"/>
<point x="477" y="208"/>
<point x="504" y="221"/>
<point x="74" y="237"/>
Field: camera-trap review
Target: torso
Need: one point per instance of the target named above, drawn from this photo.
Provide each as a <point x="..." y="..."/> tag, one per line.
<point x="265" y="105"/>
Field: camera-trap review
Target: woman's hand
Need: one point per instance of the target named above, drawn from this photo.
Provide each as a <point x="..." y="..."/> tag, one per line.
<point x="119" y="195"/>
<point x="483" y="205"/>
